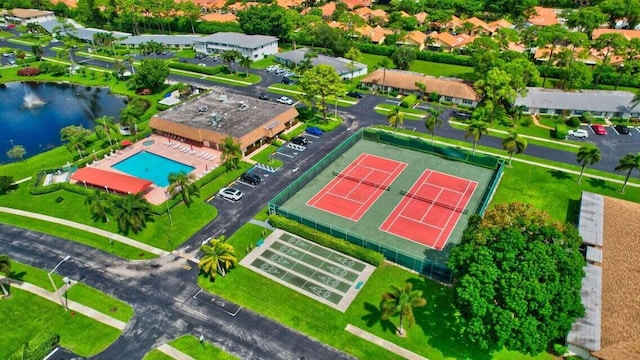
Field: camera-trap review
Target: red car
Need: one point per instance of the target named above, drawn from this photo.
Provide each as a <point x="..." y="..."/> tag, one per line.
<point x="599" y="129"/>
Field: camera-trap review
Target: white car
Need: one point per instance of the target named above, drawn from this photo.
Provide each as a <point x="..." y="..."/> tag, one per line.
<point x="272" y="68"/>
<point x="579" y="133"/>
<point x="285" y="100"/>
<point x="230" y="194"/>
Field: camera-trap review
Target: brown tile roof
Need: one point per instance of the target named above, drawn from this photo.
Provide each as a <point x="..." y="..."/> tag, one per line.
<point x="407" y="80"/>
<point x="628" y="34"/>
<point x="620" y="323"/>
<point x="415" y="37"/>
<point x="241" y="6"/>
<point x="478" y="23"/>
<point x="352" y="4"/>
<point x="378" y="34"/>
<point x="289" y="3"/>
<point x="543" y="17"/>
<point x="27" y="13"/>
<point x="210" y="4"/>
<point x="452" y="41"/>
<point x="70" y="3"/>
<point x="421" y="17"/>
<point x="367" y="14"/>
<point x="218" y="17"/>
<point x="499" y="24"/>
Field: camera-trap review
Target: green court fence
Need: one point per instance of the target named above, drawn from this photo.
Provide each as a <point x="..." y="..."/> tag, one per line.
<point x="491" y="188"/>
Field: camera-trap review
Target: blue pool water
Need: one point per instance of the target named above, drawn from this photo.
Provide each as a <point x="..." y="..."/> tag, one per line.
<point x="152" y="167"/>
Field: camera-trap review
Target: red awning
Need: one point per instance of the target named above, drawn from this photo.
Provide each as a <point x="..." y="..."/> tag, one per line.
<point x="124" y="184"/>
<point x="125" y="142"/>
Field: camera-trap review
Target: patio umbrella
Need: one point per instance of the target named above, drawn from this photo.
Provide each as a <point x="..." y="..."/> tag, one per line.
<point x="125" y="142"/>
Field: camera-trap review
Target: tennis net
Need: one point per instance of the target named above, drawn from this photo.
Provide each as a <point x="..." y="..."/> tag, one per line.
<point x="361" y="181"/>
<point x="434" y="202"/>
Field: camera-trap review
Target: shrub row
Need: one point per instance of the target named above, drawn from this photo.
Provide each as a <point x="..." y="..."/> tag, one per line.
<point x="369" y="256"/>
<point x="409" y="101"/>
<point x="37" y="348"/>
<point x="560" y="131"/>
<point x="197" y="68"/>
<point x="433" y="56"/>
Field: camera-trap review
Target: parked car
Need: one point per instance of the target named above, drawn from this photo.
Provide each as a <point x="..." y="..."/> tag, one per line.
<point x="462" y="114"/>
<point x="355" y="94"/>
<point x="579" y="133"/>
<point x="272" y="68"/>
<point x="599" y="129"/>
<point x="622" y="129"/>
<point x="287" y="81"/>
<point x="202" y="64"/>
<point x="206" y="241"/>
<point x="285" y="100"/>
<point x="300" y="140"/>
<point x="263" y="97"/>
<point x="251" y="179"/>
<point x="230" y="194"/>
<point x="312" y="130"/>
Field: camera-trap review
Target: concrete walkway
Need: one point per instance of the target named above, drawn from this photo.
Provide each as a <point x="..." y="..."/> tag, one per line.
<point x="551" y="141"/>
<point x="87" y="228"/>
<point x="174" y="353"/>
<point x="71" y="305"/>
<point x="384" y="343"/>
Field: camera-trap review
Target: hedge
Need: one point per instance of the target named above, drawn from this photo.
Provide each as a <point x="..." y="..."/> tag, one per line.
<point x="197" y="68"/>
<point x="445" y="58"/>
<point x="369" y="256"/>
<point x="560" y="131"/>
<point x="38" y="347"/>
<point x="409" y="101"/>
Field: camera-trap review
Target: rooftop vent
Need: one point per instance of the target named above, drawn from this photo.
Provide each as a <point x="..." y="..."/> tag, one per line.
<point x="203" y="108"/>
<point x="242" y="105"/>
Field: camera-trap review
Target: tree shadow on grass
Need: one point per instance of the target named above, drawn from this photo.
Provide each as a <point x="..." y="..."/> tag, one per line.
<point x="560" y="175"/>
<point x="18" y="275"/>
<point x="374" y="315"/>
<point x="438" y="321"/>
<point x="599" y="183"/>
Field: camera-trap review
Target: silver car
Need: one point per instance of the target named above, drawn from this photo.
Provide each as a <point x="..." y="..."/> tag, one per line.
<point x="230" y="194"/>
<point x="285" y="100"/>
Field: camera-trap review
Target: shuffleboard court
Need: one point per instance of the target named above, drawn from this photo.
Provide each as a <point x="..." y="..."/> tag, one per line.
<point x="318" y="272"/>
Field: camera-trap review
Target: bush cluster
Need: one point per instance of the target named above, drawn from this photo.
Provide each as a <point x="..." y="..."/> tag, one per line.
<point x="560" y="131"/>
<point x="409" y="101"/>
<point x="369" y="256"/>
<point x="38" y="347"/>
<point x="29" y="71"/>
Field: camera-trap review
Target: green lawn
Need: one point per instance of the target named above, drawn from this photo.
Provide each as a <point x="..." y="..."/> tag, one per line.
<point x="156" y="355"/>
<point x="263" y="157"/>
<point x="264" y="63"/>
<point x="425" y="67"/>
<point x="191" y="346"/>
<point x="409" y="114"/>
<point x="26" y="314"/>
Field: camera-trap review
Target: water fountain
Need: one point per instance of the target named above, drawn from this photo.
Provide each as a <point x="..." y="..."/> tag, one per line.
<point x="31" y="100"/>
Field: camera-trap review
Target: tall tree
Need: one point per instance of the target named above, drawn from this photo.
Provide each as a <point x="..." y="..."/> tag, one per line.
<point x="106" y="127"/>
<point x="608" y="45"/>
<point x="131" y="212"/>
<point x="76" y="137"/>
<point x="401" y="301"/>
<point x="517" y="287"/>
<point x="219" y="256"/>
<point x="403" y="57"/>
<point x="17" y="152"/>
<point x="433" y="122"/>
<point x="585" y="19"/>
<point x="37" y="51"/>
<point x="5" y="268"/>
<point x="395" y="117"/>
<point x="20" y="55"/>
<point x="231" y="154"/>
<point x="245" y="62"/>
<point x="151" y="74"/>
<point x="475" y="130"/>
<point x="267" y="20"/>
<point x="628" y="162"/>
<point x="99" y="205"/>
<point x="587" y="155"/>
<point x="319" y="84"/>
<point x="231" y="56"/>
<point x="354" y="55"/>
<point x="514" y="144"/>
<point x="496" y="88"/>
<point x="183" y="184"/>
<point x="129" y="116"/>
<point x="553" y="36"/>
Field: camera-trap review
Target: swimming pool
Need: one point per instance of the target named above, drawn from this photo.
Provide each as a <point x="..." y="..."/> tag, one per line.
<point x="152" y="167"/>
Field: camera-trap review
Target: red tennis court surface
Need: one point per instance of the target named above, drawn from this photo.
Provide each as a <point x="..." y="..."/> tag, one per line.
<point x="352" y="192"/>
<point x="427" y="213"/>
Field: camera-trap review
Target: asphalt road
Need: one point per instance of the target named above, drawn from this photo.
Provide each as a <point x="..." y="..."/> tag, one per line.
<point x="162" y="294"/>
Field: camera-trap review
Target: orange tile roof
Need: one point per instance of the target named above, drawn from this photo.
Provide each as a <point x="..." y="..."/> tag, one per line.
<point x="415" y="37"/>
<point x="328" y="9"/>
<point x="241" y="6"/>
<point x="289" y="3"/>
<point x="499" y="24"/>
<point x="219" y="17"/>
<point x="379" y="34"/>
<point x="210" y="4"/>
<point x="543" y="17"/>
<point x="478" y="23"/>
<point x="121" y="183"/>
<point x="628" y="34"/>
<point x="70" y="3"/>
<point x="456" y="88"/>
<point x="368" y="14"/>
<point x="453" y="41"/>
<point x="421" y="17"/>
<point x="352" y="4"/>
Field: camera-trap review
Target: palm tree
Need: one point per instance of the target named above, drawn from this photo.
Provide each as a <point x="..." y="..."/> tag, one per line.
<point x="245" y="62"/>
<point x="395" y="117"/>
<point x="37" y="51"/>
<point x="231" y="153"/>
<point x="105" y="126"/>
<point x="475" y="130"/>
<point x="587" y="155"/>
<point x="230" y="56"/>
<point x="514" y="144"/>
<point x="181" y="183"/>
<point x="131" y="212"/>
<point x="98" y="205"/>
<point x="516" y="114"/>
<point x="636" y="100"/>
<point x="129" y="117"/>
<point x="628" y="162"/>
<point x="422" y="87"/>
<point x="5" y="268"/>
<point x="401" y="301"/>
<point x="20" y="54"/>
<point x="218" y="258"/>
<point x="433" y="122"/>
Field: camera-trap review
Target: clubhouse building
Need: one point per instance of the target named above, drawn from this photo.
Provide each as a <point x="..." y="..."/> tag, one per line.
<point x="209" y="119"/>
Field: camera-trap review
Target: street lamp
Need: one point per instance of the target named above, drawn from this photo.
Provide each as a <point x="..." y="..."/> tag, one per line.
<point x="54" y="284"/>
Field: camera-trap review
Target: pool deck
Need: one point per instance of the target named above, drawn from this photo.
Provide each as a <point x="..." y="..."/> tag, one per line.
<point x="201" y="158"/>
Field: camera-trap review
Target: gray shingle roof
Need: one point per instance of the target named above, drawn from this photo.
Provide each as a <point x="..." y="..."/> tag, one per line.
<point x="239" y="39"/>
<point x="587" y="100"/>
<point x="85" y="34"/>
<point x="340" y="64"/>
<point x="188" y="40"/>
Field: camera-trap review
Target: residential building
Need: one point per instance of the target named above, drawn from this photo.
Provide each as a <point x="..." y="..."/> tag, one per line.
<point x="447" y="42"/>
<point x="25" y="16"/>
<point x="352" y="4"/>
<point x="84" y="34"/>
<point x="413" y="38"/>
<point x="600" y="103"/>
<point x="289" y="3"/>
<point x="177" y="41"/>
<point x="499" y="24"/>
<point x="256" y="47"/>
<point x="369" y="15"/>
<point x="421" y="17"/>
<point x="452" y="90"/>
<point x="543" y="17"/>
<point x="627" y="33"/>
<point x="209" y="119"/>
<point x="345" y="68"/>
<point x="377" y="34"/>
<point x="219" y="17"/>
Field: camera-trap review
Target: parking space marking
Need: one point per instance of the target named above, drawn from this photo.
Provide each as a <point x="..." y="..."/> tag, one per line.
<point x="615" y="130"/>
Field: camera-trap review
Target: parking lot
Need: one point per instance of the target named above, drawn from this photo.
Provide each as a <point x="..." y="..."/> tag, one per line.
<point x="613" y="145"/>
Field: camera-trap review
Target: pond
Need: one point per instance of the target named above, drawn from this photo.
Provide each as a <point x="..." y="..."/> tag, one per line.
<point x="32" y="114"/>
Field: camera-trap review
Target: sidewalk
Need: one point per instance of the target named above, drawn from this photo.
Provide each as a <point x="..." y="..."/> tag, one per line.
<point x="72" y="305"/>
<point x="384" y="343"/>
<point x="87" y="228"/>
<point x="173" y="352"/>
<point x="525" y="136"/>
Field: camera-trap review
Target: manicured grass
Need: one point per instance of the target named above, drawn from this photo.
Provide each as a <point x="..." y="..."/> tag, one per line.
<point x="409" y="114"/>
<point x="156" y="355"/>
<point x="5" y="34"/>
<point x="263" y="214"/>
<point x="263" y="157"/>
<point x="246" y="238"/>
<point x="186" y="53"/>
<point x="439" y="69"/>
<point x="79" y="292"/>
<point x="191" y="346"/>
<point x="264" y="63"/>
<point x="27" y="314"/>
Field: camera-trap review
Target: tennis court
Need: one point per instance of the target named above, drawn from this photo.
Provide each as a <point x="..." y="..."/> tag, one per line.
<point x="320" y="273"/>
<point x="358" y="186"/>
<point x="430" y="210"/>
